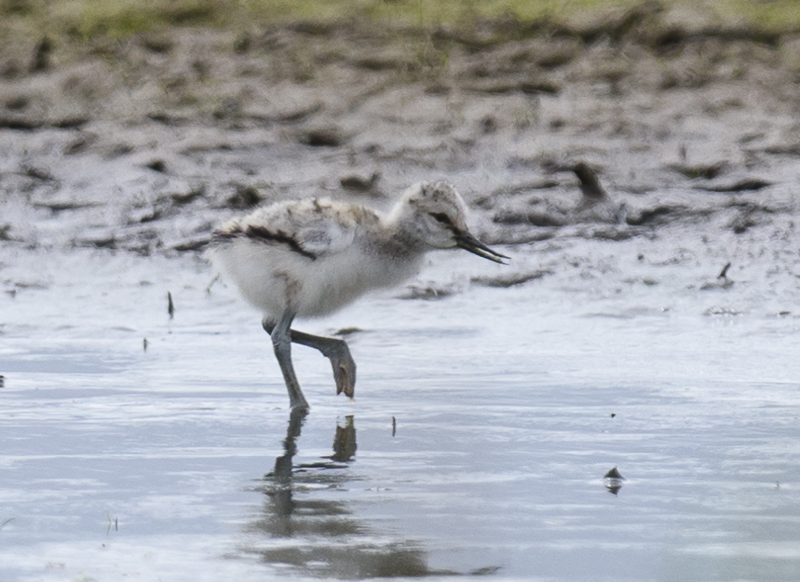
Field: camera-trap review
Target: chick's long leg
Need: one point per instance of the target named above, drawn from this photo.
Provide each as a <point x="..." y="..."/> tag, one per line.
<point x="336" y="350"/>
<point x="281" y="335"/>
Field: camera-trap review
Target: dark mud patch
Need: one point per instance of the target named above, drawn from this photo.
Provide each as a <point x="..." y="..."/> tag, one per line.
<point x="743" y="185"/>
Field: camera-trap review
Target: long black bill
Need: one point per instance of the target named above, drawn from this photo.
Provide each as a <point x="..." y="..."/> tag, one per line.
<point x="469" y="243"/>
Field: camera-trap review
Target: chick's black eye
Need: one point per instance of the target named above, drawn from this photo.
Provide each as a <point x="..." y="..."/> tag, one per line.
<point x="441" y="217"/>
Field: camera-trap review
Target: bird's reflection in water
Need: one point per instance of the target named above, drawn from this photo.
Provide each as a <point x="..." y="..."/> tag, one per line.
<point x="304" y="528"/>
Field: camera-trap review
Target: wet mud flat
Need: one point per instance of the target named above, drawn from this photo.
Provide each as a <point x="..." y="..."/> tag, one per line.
<point x="142" y="144"/>
<point x="651" y="328"/>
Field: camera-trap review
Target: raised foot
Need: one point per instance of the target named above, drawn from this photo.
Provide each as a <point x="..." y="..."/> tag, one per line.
<point x="336" y="350"/>
<point x="344" y="368"/>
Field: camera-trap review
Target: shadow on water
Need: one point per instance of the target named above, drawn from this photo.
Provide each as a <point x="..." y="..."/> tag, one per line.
<point x="318" y="536"/>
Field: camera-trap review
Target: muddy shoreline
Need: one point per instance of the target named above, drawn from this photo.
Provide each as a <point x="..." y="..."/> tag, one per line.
<point x="144" y="144"/>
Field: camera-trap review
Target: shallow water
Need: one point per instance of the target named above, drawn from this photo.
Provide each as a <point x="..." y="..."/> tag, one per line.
<point x="482" y="428"/>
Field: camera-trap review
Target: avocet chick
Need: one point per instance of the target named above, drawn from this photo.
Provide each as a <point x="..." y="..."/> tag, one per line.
<point x="308" y="258"/>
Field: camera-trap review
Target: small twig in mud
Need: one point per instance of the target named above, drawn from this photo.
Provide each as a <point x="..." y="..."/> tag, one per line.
<point x="112" y="522"/>
<point x="41" y="56"/>
<point x="5" y="522"/>
<point x="144" y="344"/>
<point x="170" y="305"/>
<point x="723" y="274"/>
<point x="590" y="183"/>
<point x="210" y="285"/>
<point x="2" y="381"/>
<point x="394" y="426"/>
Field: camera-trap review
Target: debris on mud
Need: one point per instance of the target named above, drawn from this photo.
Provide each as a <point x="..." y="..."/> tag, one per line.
<point x="360" y="182"/>
<point x="429" y="292"/>
<point x="509" y="280"/>
<point x="743" y="185"/>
